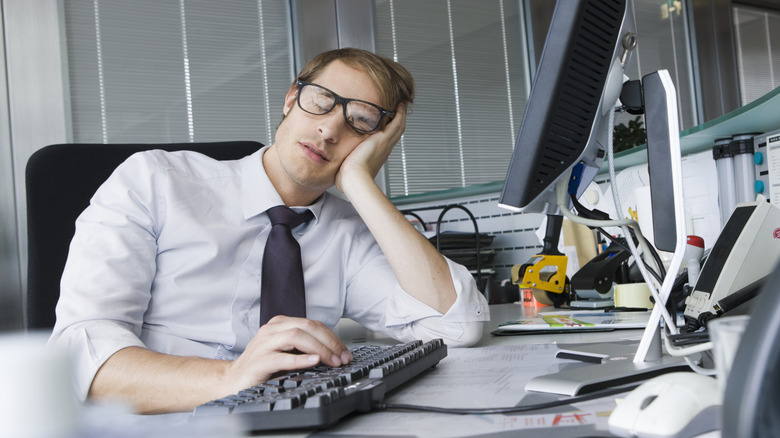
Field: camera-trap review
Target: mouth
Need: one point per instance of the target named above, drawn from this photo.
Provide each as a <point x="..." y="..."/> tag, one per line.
<point x="315" y="152"/>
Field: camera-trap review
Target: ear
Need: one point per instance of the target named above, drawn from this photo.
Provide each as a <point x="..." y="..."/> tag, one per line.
<point x="289" y="100"/>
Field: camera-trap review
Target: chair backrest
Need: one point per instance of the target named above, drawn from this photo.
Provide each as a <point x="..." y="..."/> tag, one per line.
<point x="60" y="181"/>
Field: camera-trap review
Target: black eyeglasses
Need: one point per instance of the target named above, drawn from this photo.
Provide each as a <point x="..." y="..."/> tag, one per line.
<point x="361" y="115"/>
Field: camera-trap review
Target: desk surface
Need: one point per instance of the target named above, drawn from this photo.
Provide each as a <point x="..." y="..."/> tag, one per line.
<point x="491" y="374"/>
<point x="354" y="333"/>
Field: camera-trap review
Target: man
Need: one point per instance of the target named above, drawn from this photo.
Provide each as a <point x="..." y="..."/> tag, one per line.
<point x="160" y="298"/>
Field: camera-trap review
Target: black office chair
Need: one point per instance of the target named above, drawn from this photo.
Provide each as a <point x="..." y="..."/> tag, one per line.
<point x="60" y="181"/>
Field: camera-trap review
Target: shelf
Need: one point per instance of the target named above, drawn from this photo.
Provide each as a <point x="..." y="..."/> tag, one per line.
<point x="759" y="116"/>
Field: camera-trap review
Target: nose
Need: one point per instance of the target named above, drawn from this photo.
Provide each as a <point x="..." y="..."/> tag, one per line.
<point x="332" y="124"/>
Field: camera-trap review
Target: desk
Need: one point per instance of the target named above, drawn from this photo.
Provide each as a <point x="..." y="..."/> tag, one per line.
<point x="457" y="383"/>
<point x="353" y="333"/>
<point x="531" y="355"/>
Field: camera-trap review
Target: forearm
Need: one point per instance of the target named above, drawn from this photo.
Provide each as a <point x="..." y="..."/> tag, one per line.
<point x="157" y="383"/>
<point x="420" y="269"/>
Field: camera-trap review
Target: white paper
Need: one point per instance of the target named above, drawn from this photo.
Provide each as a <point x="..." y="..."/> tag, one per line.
<point x="627" y="182"/>
<point x="699" y="189"/>
<point x="477" y="378"/>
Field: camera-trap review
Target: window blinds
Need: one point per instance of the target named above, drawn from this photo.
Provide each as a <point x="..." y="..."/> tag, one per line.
<point x="468" y="61"/>
<point x="177" y="70"/>
<point x="757" y="40"/>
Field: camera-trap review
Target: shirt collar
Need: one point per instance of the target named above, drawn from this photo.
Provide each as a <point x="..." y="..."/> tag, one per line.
<point x="259" y="194"/>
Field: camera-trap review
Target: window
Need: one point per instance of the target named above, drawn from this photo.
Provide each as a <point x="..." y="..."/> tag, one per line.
<point x="664" y="43"/>
<point x="199" y="70"/>
<point x="758" y="42"/>
<point x="470" y="63"/>
<point x="177" y="70"/>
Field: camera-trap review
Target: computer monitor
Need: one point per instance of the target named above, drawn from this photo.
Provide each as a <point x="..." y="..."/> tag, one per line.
<point x="578" y="81"/>
<point x="568" y="123"/>
<point x="751" y="403"/>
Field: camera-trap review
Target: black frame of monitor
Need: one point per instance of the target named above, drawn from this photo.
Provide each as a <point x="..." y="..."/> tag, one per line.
<point x="567" y="122"/>
<point x="564" y="121"/>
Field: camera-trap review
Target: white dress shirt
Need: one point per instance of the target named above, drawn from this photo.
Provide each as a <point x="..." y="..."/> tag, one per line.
<point x="168" y="256"/>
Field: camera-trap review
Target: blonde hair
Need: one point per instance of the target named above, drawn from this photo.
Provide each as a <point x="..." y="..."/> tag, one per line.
<point x="393" y="80"/>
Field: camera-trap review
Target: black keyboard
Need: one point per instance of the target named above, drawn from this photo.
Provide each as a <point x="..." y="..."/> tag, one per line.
<point x="319" y="397"/>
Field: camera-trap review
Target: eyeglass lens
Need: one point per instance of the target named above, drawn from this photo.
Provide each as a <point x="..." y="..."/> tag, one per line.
<point x="360" y="115"/>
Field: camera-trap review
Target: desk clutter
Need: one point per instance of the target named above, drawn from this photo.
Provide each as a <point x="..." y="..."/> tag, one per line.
<point x="470" y="249"/>
<point x="461" y="247"/>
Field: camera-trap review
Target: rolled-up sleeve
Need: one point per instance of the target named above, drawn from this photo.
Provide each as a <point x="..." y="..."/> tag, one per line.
<point x="461" y="326"/>
<point x="378" y="302"/>
<point x="90" y="345"/>
<point x="105" y="287"/>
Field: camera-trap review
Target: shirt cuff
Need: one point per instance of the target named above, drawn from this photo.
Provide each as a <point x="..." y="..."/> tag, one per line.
<point x="90" y="345"/>
<point x="461" y="325"/>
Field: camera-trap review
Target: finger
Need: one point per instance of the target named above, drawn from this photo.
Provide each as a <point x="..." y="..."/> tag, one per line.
<point x="400" y="116"/>
<point x="291" y="361"/>
<point x="298" y="340"/>
<point x="395" y="129"/>
<point x="247" y="372"/>
<point x="306" y="336"/>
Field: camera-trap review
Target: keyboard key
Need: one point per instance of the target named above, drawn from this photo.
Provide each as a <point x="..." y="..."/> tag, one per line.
<point x="321" y="395"/>
<point x="256" y="406"/>
<point x="290" y="401"/>
<point x="317" y="401"/>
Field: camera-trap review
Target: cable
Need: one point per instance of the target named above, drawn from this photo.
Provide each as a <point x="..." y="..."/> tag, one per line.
<point x="507" y="410"/>
<point x="686" y="351"/>
<point x="562" y="201"/>
<point x="599" y="215"/>
<point x="654" y="288"/>
<point x="698" y="369"/>
<point x="561" y="191"/>
<point x="617" y="242"/>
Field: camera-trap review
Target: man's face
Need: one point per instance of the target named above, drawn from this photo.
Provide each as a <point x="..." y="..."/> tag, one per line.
<point x="311" y="147"/>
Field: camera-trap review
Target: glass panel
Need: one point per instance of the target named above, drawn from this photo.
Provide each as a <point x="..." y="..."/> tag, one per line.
<point x="663" y="43"/>
<point x="173" y="71"/>
<point x="758" y="43"/>
<point x="467" y="59"/>
<point x="470" y="63"/>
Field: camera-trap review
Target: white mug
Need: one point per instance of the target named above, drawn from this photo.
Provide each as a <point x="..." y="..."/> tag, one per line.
<point x="36" y="395"/>
<point x="726" y="333"/>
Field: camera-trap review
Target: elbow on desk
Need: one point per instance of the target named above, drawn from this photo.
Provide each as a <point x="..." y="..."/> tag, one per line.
<point x="472" y="333"/>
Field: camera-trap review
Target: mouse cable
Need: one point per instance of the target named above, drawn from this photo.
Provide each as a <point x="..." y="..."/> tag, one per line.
<point x="598" y="215"/>
<point x="507" y="410"/>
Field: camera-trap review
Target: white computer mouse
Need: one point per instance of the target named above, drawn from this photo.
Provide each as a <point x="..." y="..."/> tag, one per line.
<point x="680" y="404"/>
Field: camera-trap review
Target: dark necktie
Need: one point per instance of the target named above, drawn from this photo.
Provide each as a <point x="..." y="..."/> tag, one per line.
<point x="282" y="290"/>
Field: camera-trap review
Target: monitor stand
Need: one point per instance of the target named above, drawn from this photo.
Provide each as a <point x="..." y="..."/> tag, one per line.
<point x="610" y="365"/>
<point x="615" y="364"/>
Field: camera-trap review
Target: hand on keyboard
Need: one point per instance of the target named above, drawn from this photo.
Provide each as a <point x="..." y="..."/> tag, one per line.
<point x="321" y="395"/>
<point x="285" y="344"/>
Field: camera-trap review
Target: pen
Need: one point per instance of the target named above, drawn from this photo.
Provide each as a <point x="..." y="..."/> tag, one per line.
<point x="625" y="309"/>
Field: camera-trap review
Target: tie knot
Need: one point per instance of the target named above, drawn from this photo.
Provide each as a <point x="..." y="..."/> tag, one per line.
<point x="287" y="216"/>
